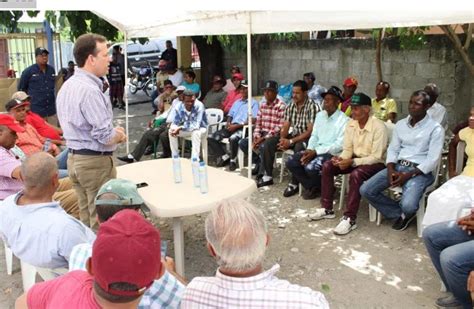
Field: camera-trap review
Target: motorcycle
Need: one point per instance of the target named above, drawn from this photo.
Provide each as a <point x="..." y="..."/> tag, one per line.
<point x="142" y="78"/>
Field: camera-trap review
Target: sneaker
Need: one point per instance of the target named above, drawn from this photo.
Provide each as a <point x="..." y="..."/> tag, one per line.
<point x="345" y="226"/>
<point x="448" y="302"/>
<point x="401" y="224"/>
<point x="322" y="213"/>
<point x="232" y="166"/>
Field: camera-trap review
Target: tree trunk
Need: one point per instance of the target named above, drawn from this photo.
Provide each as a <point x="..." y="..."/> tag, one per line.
<point x="378" y="55"/>
<point x="211" y="56"/>
<point x="458" y="46"/>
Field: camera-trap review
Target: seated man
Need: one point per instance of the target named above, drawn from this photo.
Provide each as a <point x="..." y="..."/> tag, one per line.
<point x="114" y="196"/>
<point x="10" y="166"/>
<point x="436" y="111"/>
<point x="236" y="119"/>
<point x="365" y="143"/>
<point x="268" y="124"/>
<point x="125" y="261"/>
<point x="299" y="116"/>
<point x="30" y="141"/>
<point x="384" y="108"/>
<point x="315" y="91"/>
<point x="35" y="226"/>
<point x="164" y="100"/>
<point x="326" y="141"/>
<point x="189" y="121"/>
<point x="450" y="245"/>
<point x="233" y="95"/>
<point x="45" y="129"/>
<point x="412" y="156"/>
<point x="349" y="87"/>
<point x="159" y="125"/>
<point x="216" y="95"/>
<point x="237" y="238"/>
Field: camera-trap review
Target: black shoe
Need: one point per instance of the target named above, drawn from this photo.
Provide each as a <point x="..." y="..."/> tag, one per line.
<point x="220" y="162"/>
<point x="154" y="112"/>
<point x="448" y="302"/>
<point x="148" y="151"/>
<point x="261" y="183"/>
<point x="125" y="159"/>
<point x="290" y="191"/>
<point x="310" y="194"/>
<point x="402" y="224"/>
<point x="232" y="166"/>
<point x="255" y="169"/>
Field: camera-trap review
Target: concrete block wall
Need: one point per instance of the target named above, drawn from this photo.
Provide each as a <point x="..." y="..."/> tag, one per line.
<point x="334" y="59"/>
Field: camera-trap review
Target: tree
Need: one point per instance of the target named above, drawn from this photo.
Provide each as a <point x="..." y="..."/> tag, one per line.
<point x="462" y="49"/>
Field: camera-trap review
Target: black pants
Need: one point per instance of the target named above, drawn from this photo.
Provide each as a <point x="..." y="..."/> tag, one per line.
<point x="147" y="140"/>
<point x="218" y="149"/>
<point x="165" y="143"/>
<point x="267" y="153"/>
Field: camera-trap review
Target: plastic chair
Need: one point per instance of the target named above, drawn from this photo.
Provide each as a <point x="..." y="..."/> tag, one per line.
<point x="8" y="258"/>
<point x="284" y="156"/>
<point x="460" y="156"/>
<point x="28" y="275"/>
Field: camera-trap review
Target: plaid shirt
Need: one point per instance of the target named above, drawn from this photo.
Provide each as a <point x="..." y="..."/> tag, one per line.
<point x="299" y="120"/>
<point x="261" y="291"/>
<point x="269" y="119"/>
<point x="165" y="292"/>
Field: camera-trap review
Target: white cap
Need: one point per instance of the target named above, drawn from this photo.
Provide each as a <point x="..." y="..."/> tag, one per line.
<point x="180" y="88"/>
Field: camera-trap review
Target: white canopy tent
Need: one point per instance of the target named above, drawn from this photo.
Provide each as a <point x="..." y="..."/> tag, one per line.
<point x="147" y="23"/>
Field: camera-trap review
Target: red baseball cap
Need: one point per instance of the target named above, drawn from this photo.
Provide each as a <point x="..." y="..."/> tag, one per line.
<point x="9" y="122"/>
<point x="238" y="76"/>
<point x="351" y="81"/>
<point x="127" y="249"/>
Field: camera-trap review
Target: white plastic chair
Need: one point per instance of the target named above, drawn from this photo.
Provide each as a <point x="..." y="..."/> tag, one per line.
<point x="8" y="258"/>
<point x="214" y="117"/>
<point x="460" y="156"/>
<point x="284" y="155"/>
<point x="28" y="275"/>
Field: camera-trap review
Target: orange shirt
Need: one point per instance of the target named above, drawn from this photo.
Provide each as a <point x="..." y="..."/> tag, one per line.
<point x="31" y="141"/>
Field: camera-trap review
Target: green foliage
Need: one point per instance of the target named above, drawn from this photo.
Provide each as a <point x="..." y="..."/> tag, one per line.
<point x="325" y="288"/>
<point x="410" y="38"/>
<point x="235" y="43"/>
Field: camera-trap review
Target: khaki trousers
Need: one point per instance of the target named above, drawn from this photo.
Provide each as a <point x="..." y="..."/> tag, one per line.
<point x="67" y="197"/>
<point x="88" y="174"/>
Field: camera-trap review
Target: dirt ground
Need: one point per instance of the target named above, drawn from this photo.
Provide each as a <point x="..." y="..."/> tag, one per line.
<point x="372" y="267"/>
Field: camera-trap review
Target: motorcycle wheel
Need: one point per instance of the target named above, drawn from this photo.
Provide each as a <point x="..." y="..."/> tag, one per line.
<point x="132" y="88"/>
<point x="149" y="88"/>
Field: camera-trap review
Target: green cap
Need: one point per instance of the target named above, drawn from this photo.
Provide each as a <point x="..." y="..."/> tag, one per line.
<point x="360" y="99"/>
<point x="126" y="192"/>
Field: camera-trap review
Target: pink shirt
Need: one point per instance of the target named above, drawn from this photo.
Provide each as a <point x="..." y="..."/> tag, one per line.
<point x="231" y="98"/>
<point x="72" y="290"/>
<point x="8" y="163"/>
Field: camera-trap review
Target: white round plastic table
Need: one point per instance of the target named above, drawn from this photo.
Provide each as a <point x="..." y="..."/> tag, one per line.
<point x="167" y="199"/>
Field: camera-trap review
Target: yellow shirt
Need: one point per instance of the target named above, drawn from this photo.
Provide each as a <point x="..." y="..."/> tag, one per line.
<point x="467" y="135"/>
<point x="368" y="145"/>
<point x="383" y="107"/>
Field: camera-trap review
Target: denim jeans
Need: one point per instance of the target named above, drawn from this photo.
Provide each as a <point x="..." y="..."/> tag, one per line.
<point x="451" y="250"/>
<point x="413" y="190"/>
<point x="62" y="163"/>
<point x="244" y="146"/>
<point x="308" y="175"/>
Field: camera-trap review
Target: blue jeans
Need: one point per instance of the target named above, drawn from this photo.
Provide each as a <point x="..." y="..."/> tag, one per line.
<point x="244" y="146"/>
<point x="413" y="190"/>
<point x="153" y="95"/>
<point x="308" y="175"/>
<point x="62" y="163"/>
<point x="451" y="250"/>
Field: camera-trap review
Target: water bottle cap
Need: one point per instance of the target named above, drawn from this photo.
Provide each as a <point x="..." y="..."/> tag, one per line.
<point x="175" y="156"/>
<point x="195" y="159"/>
<point x="202" y="163"/>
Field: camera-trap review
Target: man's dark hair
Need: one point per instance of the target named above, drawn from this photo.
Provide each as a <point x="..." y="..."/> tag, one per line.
<point x="86" y="45"/>
<point x="167" y="82"/>
<point x="426" y="97"/>
<point x="105" y="212"/>
<point x="119" y="286"/>
<point x="302" y="84"/>
<point x="169" y="41"/>
<point x="70" y="62"/>
<point x="191" y="74"/>
<point x="385" y="84"/>
<point x="310" y="75"/>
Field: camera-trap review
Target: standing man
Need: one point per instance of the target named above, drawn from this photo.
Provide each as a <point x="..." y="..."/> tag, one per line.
<point x="86" y="114"/>
<point x="171" y="55"/>
<point x="38" y="81"/>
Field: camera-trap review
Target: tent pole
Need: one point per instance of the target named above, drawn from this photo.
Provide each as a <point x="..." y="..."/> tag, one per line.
<point x="125" y="50"/>
<point x="249" y="104"/>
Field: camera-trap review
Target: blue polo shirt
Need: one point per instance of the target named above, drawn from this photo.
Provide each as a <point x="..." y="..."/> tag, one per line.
<point x="239" y="111"/>
<point x="40" y="86"/>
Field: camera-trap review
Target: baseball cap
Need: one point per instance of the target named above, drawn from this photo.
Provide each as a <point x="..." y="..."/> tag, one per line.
<point x="20" y="95"/>
<point x="244" y="83"/>
<point x="180" y="88"/>
<point x="15" y="103"/>
<point x="335" y="91"/>
<point x="271" y="85"/>
<point x="219" y="80"/>
<point x="40" y="51"/>
<point x="125" y="190"/>
<point x="238" y="76"/>
<point x="360" y="99"/>
<point x="127" y="249"/>
<point x="9" y="122"/>
<point x="351" y="81"/>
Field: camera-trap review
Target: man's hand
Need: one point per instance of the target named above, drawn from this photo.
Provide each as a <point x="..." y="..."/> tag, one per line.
<point x="120" y="133"/>
<point x="308" y="156"/>
<point x="284" y="144"/>
<point x="257" y="141"/>
<point x="399" y="179"/>
<point x="51" y="151"/>
<point x="169" y="264"/>
<point x="175" y="132"/>
<point x="467" y="223"/>
<point x="335" y="160"/>
<point x="233" y="127"/>
<point x="470" y="282"/>
<point x="344" y="163"/>
<point x="392" y="174"/>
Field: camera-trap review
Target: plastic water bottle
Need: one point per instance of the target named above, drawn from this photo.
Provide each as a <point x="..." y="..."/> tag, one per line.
<point x="195" y="166"/>
<point x="176" y="169"/>
<point x="203" y="177"/>
<point x="47" y="144"/>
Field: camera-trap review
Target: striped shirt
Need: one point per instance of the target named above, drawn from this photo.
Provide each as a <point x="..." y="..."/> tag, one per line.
<point x="261" y="291"/>
<point x="165" y="292"/>
<point x="269" y="119"/>
<point x="85" y="113"/>
<point x="299" y="120"/>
